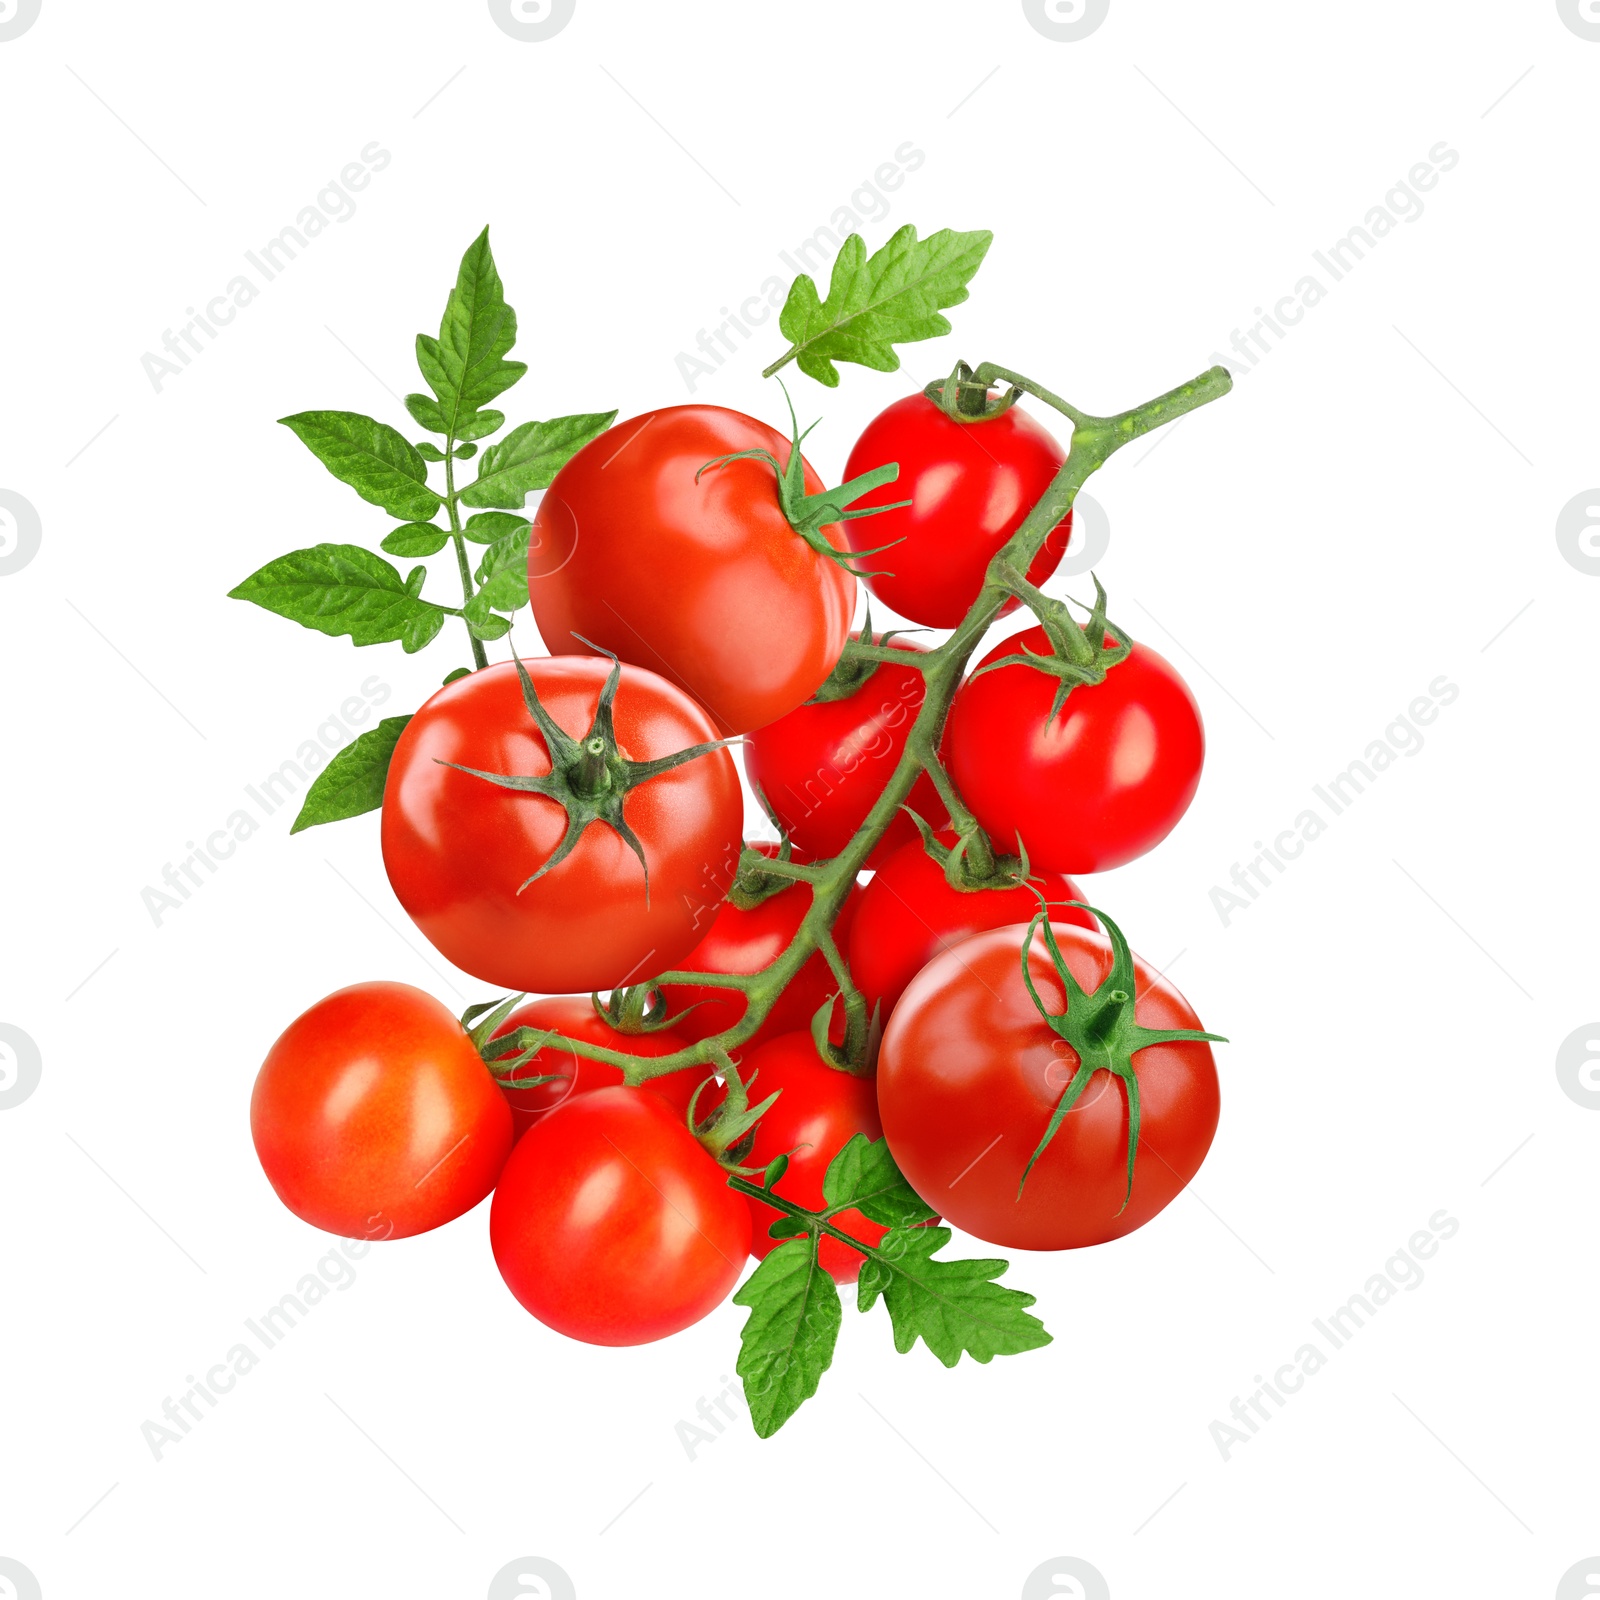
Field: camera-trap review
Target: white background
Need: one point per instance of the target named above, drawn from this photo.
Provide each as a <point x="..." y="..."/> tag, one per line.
<point x="1375" y="506"/>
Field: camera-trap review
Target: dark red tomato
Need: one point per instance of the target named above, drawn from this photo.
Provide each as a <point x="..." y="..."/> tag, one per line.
<point x="970" y="485"/>
<point x="746" y="941"/>
<point x="574" y="1017"/>
<point x="823" y="766"/>
<point x="969" y="1076"/>
<point x="1103" y="782"/>
<point x="909" y="913"/>
<point x="459" y="849"/>
<point x="612" y="1225"/>
<point x="704" y="582"/>
<point x="374" y="1117"/>
<point x="818" y="1111"/>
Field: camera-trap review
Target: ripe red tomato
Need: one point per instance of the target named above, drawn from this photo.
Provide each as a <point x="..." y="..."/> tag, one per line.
<point x="374" y="1117"/>
<point x="611" y="1223"/>
<point x="970" y="485"/>
<point x="703" y="581"/>
<point x="574" y="1016"/>
<point x="746" y="941"/>
<point x="909" y="913"/>
<point x="1103" y="782"/>
<point x="969" y="1075"/>
<point x="460" y="849"/>
<point x="818" y="1111"/>
<point x="823" y="766"/>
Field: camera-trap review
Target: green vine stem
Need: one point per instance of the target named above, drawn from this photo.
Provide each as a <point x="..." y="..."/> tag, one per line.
<point x="480" y="656"/>
<point x="1094" y="441"/>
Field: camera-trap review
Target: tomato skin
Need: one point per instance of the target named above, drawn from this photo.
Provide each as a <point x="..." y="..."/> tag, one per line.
<point x="457" y="848"/>
<point x="374" y="1117"/>
<point x="575" y="1017"/>
<point x="970" y="486"/>
<point x="909" y="913"/>
<point x="1104" y="782"/>
<point x="704" y="582"/>
<point x="822" y="767"/>
<point x="818" y="1111"/>
<point x="612" y="1225"/>
<point x="745" y="941"/>
<point x="969" y="1075"/>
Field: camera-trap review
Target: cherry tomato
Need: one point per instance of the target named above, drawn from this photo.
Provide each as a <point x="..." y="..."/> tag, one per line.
<point x="702" y="580"/>
<point x="611" y="1224"/>
<point x="818" y="1111"/>
<point x="969" y="1075"/>
<point x="970" y="485"/>
<point x="460" y="849"/>
<point x="823" y="766"/>
<point x="1103" y="782"/>
<point x="909" y="913"/>
<point x="374" y="1117"/>
<point x="746" y="941"/>
<point x="574" y="1016"/>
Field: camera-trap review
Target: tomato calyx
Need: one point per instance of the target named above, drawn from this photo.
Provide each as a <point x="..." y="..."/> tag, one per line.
<point x="1081" y="654"/>
<point x="639" y="1009"/>
<point x="589" y="778"/>
<point x="956" y="860"/>
<point x="965" y="399"/>
<point x="1101" y="1029"/>
<point x="507" y="1055"/>
<point x="729" y="1132"/>
<point x="858" y="661"/>
<point x="809" y="514"/>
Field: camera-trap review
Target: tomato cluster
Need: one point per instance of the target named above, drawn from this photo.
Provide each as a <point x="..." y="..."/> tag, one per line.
<point x="573" y="824"/>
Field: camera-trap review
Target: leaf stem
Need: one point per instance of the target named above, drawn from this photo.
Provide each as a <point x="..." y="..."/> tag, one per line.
<point x="480" y="656"/>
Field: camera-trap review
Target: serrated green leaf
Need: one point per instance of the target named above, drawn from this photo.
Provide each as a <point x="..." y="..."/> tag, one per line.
<point x="416" y="539"/>
<point x="352" y="782"/>
<point x="954" y="1307"/>
<point x="371" y="457"/>
<point x="488" y="526"/>
<point x="425" y="413"/>
<point x="503" y="572"/>
<point x="466" y="366"/>
<point x="485" y="422"/>
<point x="483" y="620"/>
<point x="893" y="297"/>
<point x="788" y="1339"/>
<point x="529" y="457"/>
<point x="343" y="589"/>
<point x="864" y="1177"/>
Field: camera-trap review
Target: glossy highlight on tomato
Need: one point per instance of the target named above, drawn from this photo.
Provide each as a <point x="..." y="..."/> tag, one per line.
<point x="612" y="1225"/>
<point x="695" y="575"/>
<point x="374" y="1117"/>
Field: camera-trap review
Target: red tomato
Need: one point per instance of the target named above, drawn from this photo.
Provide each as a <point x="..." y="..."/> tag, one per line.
<point x="818" y="1111"/>
<point x="909" y="913"/>
<point x="702" y="581"/>
<point x="374" y="1117"/>
<point x="746" y="941"/>
<point x="824" y="765"/>
<point x="969" y="1075"/>
<point x="970" y="485"/>
<point x="1103" y="782"/>
<point x="611" y="1223"/>
<point x="575" y="1017"/>
<point x="460" y="849"/>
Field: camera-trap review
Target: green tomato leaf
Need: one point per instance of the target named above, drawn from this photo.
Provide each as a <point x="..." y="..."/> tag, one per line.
<point x="954" y="1307"/>
<point x="343" y="589"/>
<point x="483" y="620"/>
<point x="371" y="457"/>
<point x="893" y="297"/>
<point x="425" y="413"/>
<point x="485" y="422"/>
<point x="466" y="366"/>
<point x="428" y="452"/>
<point x="353" y="781"/>
<point x="789" y="1337"/>
<point x="488" y="526"/>
<point x="529" y="457"/>
<point x="415" y="579"/>
<point x="416" y="539"/>
<point x="464" y="452"/>
<point x="863" y="1176"/>
<point x="458" y="672"/>
<point x="503" y="572"/>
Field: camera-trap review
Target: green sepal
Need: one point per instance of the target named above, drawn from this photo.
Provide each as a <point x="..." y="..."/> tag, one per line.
<point x="1080" y="656"/>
